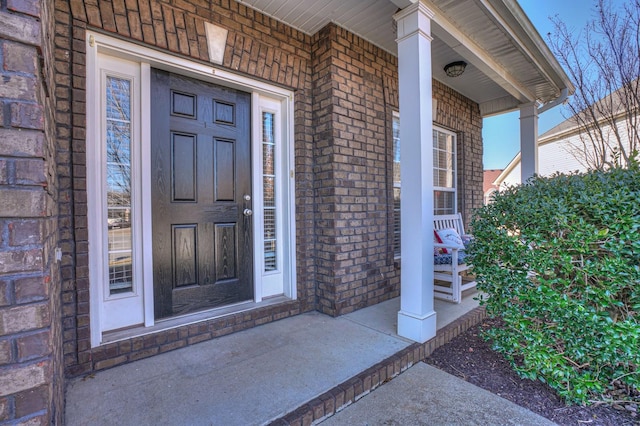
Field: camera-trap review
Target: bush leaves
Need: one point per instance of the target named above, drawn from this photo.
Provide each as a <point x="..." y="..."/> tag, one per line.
<point x="559" y="261"/>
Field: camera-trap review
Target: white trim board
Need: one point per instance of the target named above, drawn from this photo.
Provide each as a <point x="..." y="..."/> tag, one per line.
<point x="264" y="95"/>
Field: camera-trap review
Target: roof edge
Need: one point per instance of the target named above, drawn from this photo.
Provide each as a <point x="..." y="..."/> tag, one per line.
<point x="532" y="41"/>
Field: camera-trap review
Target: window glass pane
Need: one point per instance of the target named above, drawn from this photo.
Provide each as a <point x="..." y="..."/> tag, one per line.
<point x="270" y="263"/>
<point x="396" y="222"/>
<point x="268" y="188"/>
<point x="439" y="177"/>
<point x="269" y="191"/>
<point x="449" y="183"/>
<point x="440" y="159"/>
<point x="268" y="134"/>
<point x="118" y="142"/>
<point x="396" y="185"/>
<point x="443" y="178"/>
<point x="270" y="224"/>
<point x="444" y="172"/>
<point x="268" y="151"/>
<point x="118" y="184"/>
<point x="443" y="159"/>
<point x="444" y="202"/>
<point x="437" y="141"/>
<point x="396" y="151"/>
<point x="120" y="272"/>
<point x="118" y="99"/>
<point x="119" y="224"/>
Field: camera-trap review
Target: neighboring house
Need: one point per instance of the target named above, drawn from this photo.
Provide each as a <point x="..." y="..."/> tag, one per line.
<point x="176" y="170"/>
<point x="488" y="187"/>
<point x="566" y="148"/>
<point x="554" y="155"/>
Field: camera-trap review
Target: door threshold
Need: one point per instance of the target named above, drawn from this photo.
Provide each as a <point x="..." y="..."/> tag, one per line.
<point x="188" y="319"/>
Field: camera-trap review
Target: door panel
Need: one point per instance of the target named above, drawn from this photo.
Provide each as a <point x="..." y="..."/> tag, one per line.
<point x="200" y="149"/>
<point x="185" y="255"/>
<point x="183" y="170"/>
<point x="225" y="238"/>
<point x="224" y="170"/>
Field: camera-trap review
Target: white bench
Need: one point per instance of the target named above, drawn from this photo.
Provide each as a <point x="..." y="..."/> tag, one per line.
<point x="449" y="275"/>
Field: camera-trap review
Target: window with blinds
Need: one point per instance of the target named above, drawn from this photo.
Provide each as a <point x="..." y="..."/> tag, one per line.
<point x="269" y="191"/>
<point x="444" y="172"/>
<point x="396" y="185"/>
<point x="444" y="176"/>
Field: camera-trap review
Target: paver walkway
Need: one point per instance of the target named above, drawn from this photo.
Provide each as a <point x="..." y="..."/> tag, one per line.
<point x="424" y="395"/>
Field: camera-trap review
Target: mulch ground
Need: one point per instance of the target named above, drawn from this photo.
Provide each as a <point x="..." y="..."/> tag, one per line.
<point x="471" y="358"/>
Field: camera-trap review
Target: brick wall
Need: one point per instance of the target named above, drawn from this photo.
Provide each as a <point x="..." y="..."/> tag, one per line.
<point x="345" y="93"/>
<point x="31" y="375"/>
<point x="257" y="46"/>
<point x="354" y="96"/>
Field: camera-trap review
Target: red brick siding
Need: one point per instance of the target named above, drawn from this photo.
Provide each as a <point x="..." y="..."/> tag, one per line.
<point x="31" y="367"/>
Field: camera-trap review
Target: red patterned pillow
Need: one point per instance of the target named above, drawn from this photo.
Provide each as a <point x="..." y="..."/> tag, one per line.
<point x="438" y="250"/>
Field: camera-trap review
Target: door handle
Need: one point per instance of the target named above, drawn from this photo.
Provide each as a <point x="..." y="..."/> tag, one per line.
<point x="247" y="212"/>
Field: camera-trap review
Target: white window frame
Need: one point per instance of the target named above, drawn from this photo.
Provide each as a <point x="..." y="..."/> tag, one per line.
<point x="454" y="190"/>
<point x="128" y="305"/>
<point x="264" y="95"/>
<point x="396" y="184"/>
<point x="269" y="281"/>
<point x="454" y="162"/>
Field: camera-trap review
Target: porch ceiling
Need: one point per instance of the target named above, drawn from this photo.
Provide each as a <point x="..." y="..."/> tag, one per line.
<point x="508" y="62"/>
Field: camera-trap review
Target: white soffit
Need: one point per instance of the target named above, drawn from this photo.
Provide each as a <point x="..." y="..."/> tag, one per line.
<point x="370" y="19"/>
<point x="503" y="70"/>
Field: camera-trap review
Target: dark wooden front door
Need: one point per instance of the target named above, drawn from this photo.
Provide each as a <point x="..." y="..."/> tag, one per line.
<point x="201" y="186"/>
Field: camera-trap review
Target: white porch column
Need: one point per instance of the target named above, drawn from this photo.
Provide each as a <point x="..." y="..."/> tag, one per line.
<point x="416" y="319"/>
<point x="528" y="141"/>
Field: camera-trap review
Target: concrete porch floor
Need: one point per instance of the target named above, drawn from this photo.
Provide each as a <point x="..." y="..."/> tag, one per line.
<point x="248" y="378"/>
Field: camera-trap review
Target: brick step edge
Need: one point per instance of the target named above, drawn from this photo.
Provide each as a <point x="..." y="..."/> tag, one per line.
<point x="348" y="392"/>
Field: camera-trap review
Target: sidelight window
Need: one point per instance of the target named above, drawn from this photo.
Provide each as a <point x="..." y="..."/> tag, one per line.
<point x="269" y="191"/>
<point x="120" y="172"/>
<point x="118" y="183"/>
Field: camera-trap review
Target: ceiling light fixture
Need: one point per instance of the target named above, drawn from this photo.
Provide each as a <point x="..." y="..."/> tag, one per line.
<point x="455" y="69"/>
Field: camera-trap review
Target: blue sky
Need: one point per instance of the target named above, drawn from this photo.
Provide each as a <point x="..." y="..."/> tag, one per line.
<point x="501" y="134"/>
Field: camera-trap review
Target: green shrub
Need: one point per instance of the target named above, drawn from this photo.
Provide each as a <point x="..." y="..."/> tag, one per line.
<point x="559" y="259"/>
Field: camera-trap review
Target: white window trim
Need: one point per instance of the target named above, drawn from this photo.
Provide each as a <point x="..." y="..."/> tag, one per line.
<point x="284" y="237"/>
<point x="262" y="94"/>
<point x="396" y="115"/>
<point x="454" y="190"/>
<point x="127" y="303"/>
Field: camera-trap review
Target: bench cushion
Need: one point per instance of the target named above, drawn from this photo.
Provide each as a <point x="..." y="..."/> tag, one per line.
<point x="445" y="259"/>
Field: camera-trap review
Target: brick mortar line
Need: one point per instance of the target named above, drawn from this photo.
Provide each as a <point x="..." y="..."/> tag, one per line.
<point x="351" y="390"/>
